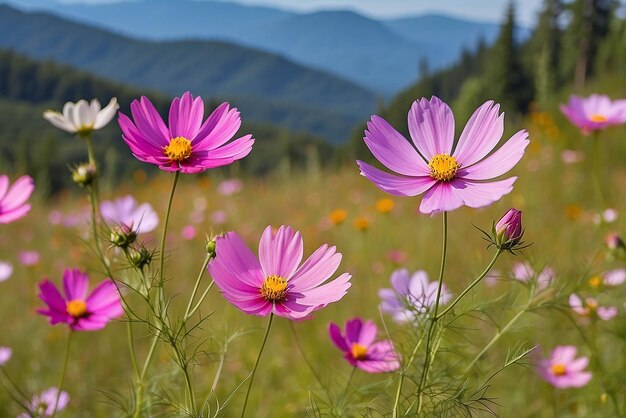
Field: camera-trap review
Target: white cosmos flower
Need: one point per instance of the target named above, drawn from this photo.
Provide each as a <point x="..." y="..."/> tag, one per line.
<point x="82" y="117"/>
<point x="6" y="269"/>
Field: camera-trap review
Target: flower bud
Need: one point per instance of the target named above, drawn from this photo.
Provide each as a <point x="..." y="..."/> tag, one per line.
<point x="614" y="242"/>
<point x="211" y="245"/>
<point x="84" y="174"/>
<point x="507" y="232"/>
<point x="122" y="236"/>
<point x="140" y="258"/>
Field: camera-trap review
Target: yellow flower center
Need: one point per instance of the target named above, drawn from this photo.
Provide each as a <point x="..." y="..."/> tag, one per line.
<point x="558" y="369"/>
<point x="274" y="288"/>
<point x="178" y="149"/>
<point x="358" y="351"/>
<point x="598" y="118"/>
<point x="595" y="281"/>
<point x="443" y="167"/>
<point x="76" y="308"/>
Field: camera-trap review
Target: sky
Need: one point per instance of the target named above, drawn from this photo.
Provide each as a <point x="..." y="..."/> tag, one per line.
<point x="484" y="10"/>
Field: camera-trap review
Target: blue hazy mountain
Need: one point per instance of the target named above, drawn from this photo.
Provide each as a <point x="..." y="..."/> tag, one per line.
<point x="382" y="55"/>
<point x="265" y="86"/>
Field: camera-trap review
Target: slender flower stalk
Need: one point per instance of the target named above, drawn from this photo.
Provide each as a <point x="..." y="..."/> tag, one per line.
<point x="195" y="288"/>
<point x="63" y="371"/>
<point x="345" y="390"/>
<point x="161" y="300"/>
<point x="256" y="365"/>
<point x="596" y="170"/>
<point x="433" y="319"/>
<point x="473" y="284"/>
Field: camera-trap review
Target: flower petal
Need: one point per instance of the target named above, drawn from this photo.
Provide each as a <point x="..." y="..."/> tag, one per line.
<point x="75" y="284"/>
<point x="280" y="254"/>
<point x="396" y="185"/>
<point x="480" y="135"/>
<point x="185" y="116"/>
<point x="431" y="125"/>
<point x="500" y="162"/>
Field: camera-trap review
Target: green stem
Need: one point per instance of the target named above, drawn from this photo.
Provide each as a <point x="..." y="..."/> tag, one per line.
<point x="596" y="360"/>
<point x="160" y="297"/>
<point x="402" y="374"/>
<point x="63" y="371"/>
<point x="495" y="338"/>
<point x="472" y="285"/>
<point x="190" y="392"/>
<point x="195" y="288"/>
<point x="258" y="359"/>
<point x="345" y="390"/>
<point x="206" y="292"/>
<point x="596" y="171"/>
<point x="433" y="319"/>
<point x="131" y="347"/>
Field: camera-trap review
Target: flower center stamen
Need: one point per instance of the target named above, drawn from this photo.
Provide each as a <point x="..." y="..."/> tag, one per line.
<point x="598" y="118"/>
<point x="595" y="281"/>
<point x="443" y="167"/>
<point x="178" y="149"/>
<point x="76" y="308"/>
<point x="274" y="288"/>
<point x="558" y="369"/>
<point x="358" y="351"/>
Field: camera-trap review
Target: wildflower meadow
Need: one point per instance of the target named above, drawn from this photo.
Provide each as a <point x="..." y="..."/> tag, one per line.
<point x="461" y="266"/>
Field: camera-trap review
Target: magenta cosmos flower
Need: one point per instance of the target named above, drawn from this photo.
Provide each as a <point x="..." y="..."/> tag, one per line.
<point x="360" y="348"/>
<point x="82" y="312"/>
<point x="276" y="282"/>
<point x="449" y="176"/>
<point x="563" y="370"/>
<point x="13" y="205"/>
<point x="594" y="113"/>
<point x="188" y="145"/>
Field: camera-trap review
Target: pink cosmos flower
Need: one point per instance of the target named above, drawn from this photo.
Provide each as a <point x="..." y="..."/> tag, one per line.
<point x="5" y="355"/>
<point x="524" y="272"/>
<point x="590" y="308"/>
<point x="43" y="405"/>
<point x="230" y="187"/>
<point x="29" y="258"/>
<point x="189" y="232"/>
<point x="360" y="348"/>
<point x="276" y="282"/>
<point x="449" y="176"/>
<point x="13" y="199"/>
<point x="6" y="270"/>
<point x="125" y="211"/>
<point x="563" y="370"/>
<point x="594" y="113"/>
<point x="80" y="311"/>
<point x="188" y="145"/>
<point x="411" y="296"/>
<point x="614" y="277"/>
<point x="569" y="156"/>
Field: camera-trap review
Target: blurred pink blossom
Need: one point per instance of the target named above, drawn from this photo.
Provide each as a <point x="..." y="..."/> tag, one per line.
<point x="189" y="232"/>
<point x="29" y="258"/>
<point x="230" y="187"/>
<point x="6" y="270"/>
<point x="569" y="156"/>
<point x="219" y="217"/>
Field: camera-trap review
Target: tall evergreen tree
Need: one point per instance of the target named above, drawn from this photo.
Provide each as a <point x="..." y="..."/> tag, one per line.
<point x="590" y="22"/>
<point x="505" y="76"/>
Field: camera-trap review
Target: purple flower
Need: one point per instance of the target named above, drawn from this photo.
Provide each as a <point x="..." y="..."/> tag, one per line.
<point x="524" y="272"/>
<point x="230" y="187"/>
<point x="411" y="296"/>
<point x="13" y="199"/>
<point x="5" y="355"/>
<point x="276" y="282"/>
<point x="29" y="258"/>
<point x="590" y="308"/>
<point x="508" y="230"/>
<point x="449" y="176"/>
<point x="360" y="348"/>
<point x="594" y="113"/>
<point x="125" y="211"/>
<point x="614" y="277"/>
<point x="82" y="312"/>
<point x="6" y="270"/>
<point x="188" y="145"/>
<point x="43" y="405"/>
<point x="563" y="370"/>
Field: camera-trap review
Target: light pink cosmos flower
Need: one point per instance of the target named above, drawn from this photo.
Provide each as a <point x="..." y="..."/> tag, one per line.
<point x="13" y="205"/>
<point x="594" y="113"/>
<point x="230" y="187"/>
<point x="590" y="308"/>
<point x="276" y="282"/>
<point x="361" y="348"/>
<point x="82" y="312"/>
<point x="569" y="156"/>
<point x="524" y="272"/>
<point x="5" y="355"/>
<point x="614" y="277"/>
<point x="449" y="176"/>
<point x="125" y="211"/>
<point x="29" y="258"/>
<point x="411" y="296"/>
<point x="43" y="405"/>
<point x="188" y="145"/>
<point x="189" y="232"/>
<point x="563" y="370"/>
<point x="6" y="270"/>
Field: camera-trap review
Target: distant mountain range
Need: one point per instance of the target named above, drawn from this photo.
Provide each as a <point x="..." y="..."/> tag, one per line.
<point x="264" y="86"/>
<point x="382" y="55"/>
